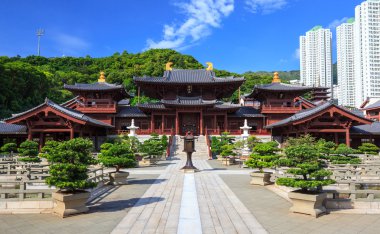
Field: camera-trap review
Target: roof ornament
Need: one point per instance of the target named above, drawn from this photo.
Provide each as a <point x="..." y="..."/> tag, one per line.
<point x="276" y="78"/>
<point x="210" y="66"/>
<point x="169" y="66"/>
<point x="102" y="77"/>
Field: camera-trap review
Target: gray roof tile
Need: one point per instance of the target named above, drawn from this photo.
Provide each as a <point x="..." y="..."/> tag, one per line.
<point x="98" y="86"/>
<point x="247" y="112"/>
<point x="367" y="129"/>
<point x="6" y="128"/>
<point x="130" y="111"/>
<point x="374" y="105"/>
<point x="189" y="101"/>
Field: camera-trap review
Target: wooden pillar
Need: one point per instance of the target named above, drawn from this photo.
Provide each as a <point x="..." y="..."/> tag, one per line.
<point x="163" y="124"/>
<point x="348" y="137"/>
<point x="215" y="122"/>
<point x="71" y="133"/>
<point x="201" y="122"/>
<point x="225" y="123"/>
<point x="336" y="138"/>
<point x="151" y="123"/>
<point x="41" y="140"/>
<point x="30" y="137"/>
<point x="176" y="123"/>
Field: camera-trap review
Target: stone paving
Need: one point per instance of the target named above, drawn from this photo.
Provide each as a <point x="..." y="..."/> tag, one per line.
<point x="162" y="199"/>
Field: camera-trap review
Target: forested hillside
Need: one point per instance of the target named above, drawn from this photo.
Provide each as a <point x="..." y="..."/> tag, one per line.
<point x="25" y="82"/>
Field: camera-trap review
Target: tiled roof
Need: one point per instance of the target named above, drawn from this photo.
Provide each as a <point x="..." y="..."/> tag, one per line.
<point x="181" y="76"/>
<point x="99" y="86"/>
<point x="6" y="128"/>
<point x="152" y="106"/>
<point x="246" y="112"/>
<point x="68" y="102"/>
<point x="308" y="112"/>
<point x="227" y="105"/>
<point x="189" y="101"/>
<point x="70" y="112"/>
<point x="283" y="87"/>
<point x="367" y="129"/>
<point x="123" y="102"/>
<point x="131" y="111"/>
<point x="373" y="105"/>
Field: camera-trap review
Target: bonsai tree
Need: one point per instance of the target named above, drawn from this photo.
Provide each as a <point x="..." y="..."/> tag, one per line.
<point x="118" y="155"/>
<point x="306" y="139"/>
<point x="252" y="141"/>
<point x="153" y="147"/>
<point x="369" y="148"/>
<point x="325" y="147"/>
<point x="343" y="155"/>
<point x="29" y="151"/>
<point x="309" y="174"/>
<point x="9" y="148"/>
<point x="228" y="150"/>
<point x="164" y="141"/>
<point x="69" y="161"/>
<point x="263" y="156"/>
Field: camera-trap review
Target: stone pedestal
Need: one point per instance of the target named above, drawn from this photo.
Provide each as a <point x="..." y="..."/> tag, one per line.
<point x="118" y="178"/>
<point x="260" y="178"/>
<point x="70" y="203"/>
<point x="311" y="204"/>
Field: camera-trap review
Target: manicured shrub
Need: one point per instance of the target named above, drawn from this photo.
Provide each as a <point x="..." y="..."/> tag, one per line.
<point x="153" y="147"/>
<point x="263" y="156"/>
<point x="68" y="164"/>
<point x="118" y="155"/>
<point x="8" y="148"/>
<point x="369" y="148"/>
<point x="28" y="151"/>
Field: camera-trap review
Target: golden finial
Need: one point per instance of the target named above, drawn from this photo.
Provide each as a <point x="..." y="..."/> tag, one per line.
<point x="169" y="66"/>
<point x="210" y="66"/>
<point x="102" y="77"/>
<point x="276" y="78"/>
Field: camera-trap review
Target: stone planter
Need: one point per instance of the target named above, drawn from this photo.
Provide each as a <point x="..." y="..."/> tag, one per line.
<point x="148" y="161"/>
<point x="311" y="204"/>
<point x="260" y="178"/>
<point x="118" y="178"/>
<point x="228" y="161"/>
<point x="70" y="203"/>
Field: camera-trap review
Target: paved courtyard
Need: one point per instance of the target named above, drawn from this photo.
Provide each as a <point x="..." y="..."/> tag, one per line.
<point x="162" y="199"/>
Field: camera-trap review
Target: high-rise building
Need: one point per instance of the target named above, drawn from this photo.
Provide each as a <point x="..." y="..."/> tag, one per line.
<point x="315" y="57"/>
<point x="345" y="63"/>
<point x="367" y="51"/>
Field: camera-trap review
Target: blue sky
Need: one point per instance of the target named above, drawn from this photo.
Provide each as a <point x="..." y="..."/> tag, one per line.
<point x="236" y="35"/>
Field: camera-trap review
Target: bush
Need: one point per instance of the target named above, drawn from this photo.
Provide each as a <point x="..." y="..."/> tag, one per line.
<point x="344" y="150"/>
<point x="9" y="148"/>
<point x="227" y="150"/>
<point x="309" y="174"/>
<point x="369" y="148"/>
<point x="326" y="147"/>
<point x="29" y="151"/>
<point x="69" y="161"/>
<point x="153" y="147"/>
<point x="263" y="156"/>
<point x="118" y="155"/>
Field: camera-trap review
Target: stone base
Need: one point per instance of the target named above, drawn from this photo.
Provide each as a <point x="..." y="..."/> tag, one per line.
<point x="227" y="161"/>
<point x="311" y="204"/>
<point x="70" y="203"/>
<point x="118" y="178"/>
<point x="148" y="161"/>
<point x="260" y="178"/>
<point x="189" y="170"/>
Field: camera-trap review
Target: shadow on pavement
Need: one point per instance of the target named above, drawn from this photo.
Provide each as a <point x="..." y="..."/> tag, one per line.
<point x="146" y="181"/>
<point x="111" y="206"/>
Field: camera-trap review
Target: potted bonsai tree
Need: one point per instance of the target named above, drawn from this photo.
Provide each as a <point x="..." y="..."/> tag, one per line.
<point x="9" y="148"/>
<point x="369" y="148"/>
<point x="263" y="156"/>
<point x="343" y="155"/>
<point x="68" y="172"/>
<point x="153" y="148"/>
<point x="28" y="151"/>
<point x="228" y="154"/>
<point x="309" y="177"/>
<point x="118" y="155"/>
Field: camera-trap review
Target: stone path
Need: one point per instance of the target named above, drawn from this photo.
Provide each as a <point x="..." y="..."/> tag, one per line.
<point x="189" y="203"/>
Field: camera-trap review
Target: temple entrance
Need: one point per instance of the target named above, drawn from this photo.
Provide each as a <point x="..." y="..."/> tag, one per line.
<point x="189" y="122"/>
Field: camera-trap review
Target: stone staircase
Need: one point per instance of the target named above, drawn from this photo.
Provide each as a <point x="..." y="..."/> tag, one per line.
<point x="201" y="149"/>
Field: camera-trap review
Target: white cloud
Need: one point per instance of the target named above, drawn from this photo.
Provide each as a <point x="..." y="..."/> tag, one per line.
<point x="337" y="22"/>
<point x="201" y="17"/>
<point x="71" y="45"/>
<point x="265" y="6"/>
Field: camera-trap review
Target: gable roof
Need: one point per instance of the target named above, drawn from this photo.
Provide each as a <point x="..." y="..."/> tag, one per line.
<point x="98" y="86"/>
<point x="186" y="76"/>
<point x="64" y="110"/>
<point x="6" y="128"/>
<point x="130" y="111"/>
<point x="189" y="101"/>
<point x="246" y="112"/>
<point x="367" y="129"/>
<point x="309" y="112"/>
<point x="373" y="105"/>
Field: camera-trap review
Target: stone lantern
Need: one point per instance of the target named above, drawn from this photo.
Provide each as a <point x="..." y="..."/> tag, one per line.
<point x="189" y="148"/>
<point x="132" y="129"/>
<point x="245" y="135"/>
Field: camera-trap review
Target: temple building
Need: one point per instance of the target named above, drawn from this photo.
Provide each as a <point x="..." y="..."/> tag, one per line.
<point x="192" y="100"/>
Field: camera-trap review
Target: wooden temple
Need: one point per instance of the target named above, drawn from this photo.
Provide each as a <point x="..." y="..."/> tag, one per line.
<point x="192" y="100"/>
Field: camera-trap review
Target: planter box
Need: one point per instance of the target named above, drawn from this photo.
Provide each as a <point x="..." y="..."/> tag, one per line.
<point x="118" y="178"/>
<point x="70" y="203"/>
<point x="260" y="178"/>
<point x="148" y="161"/>
<point x="311" y="204"/>
<point x="227" y="161"/>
